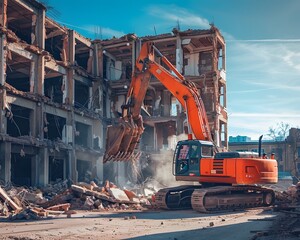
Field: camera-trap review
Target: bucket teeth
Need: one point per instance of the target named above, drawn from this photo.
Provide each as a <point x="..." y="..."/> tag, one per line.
<point x="123" y="157"/>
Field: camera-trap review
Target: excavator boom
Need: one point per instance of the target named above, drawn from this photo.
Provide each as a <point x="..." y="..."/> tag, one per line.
<point x="122" y="138"/>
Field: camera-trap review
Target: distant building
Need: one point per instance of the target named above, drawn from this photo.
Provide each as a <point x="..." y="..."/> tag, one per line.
<point x="239" y="138"/>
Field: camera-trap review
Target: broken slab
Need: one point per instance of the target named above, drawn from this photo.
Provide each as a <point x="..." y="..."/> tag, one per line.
<point x="10" y="202"/>
<point x="60" y="207"/>
<point x="118" y="194"/>
<point x="78" y="189"/>
<point x="130" y="194"/>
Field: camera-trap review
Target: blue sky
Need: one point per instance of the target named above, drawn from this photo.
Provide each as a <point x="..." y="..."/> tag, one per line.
<point x="262" y="40"/>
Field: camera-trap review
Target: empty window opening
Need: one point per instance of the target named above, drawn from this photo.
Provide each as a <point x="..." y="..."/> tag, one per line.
<point x="223" y="133"/>
<point x="147" y="141"/>
<point x="222" y="95"/>
<point x="205" y="63"/>
<point x="53" y="89"/>
<point x="84" y="170"/>
<point x="128" y="70"/>
<point x="175" y="106"/>
<point x="83" y="134"/>
<point x="165" y="132"/>
<point x="82" y="53"/>
<point x="53" y="127"/>
<point x="18" y="72"/>
<point x="54" y="46"/>
<point x="221" y="59"/>
<point x="19" y="124"/>
<point x="20" y="170"/>
<point x="56" y="169"/>
<point x="82" y="95"/>
<point x="19" y="20"/>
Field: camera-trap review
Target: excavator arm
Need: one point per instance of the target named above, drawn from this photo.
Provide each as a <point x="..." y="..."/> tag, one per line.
<point x="122" y="139"/>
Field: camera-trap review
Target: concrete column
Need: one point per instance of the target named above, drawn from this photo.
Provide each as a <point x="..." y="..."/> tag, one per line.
<point x="225" y="135"/>
<point x="72" y="172"/>
<point x="215" y="53"/>
<point x="3" y="13"/>
<point x="39" y="63"/>
<point x="99" y="167"/>
<point x="39" y="75"/>
<point x="3" y="53"/>
<point x="42" y="159"/>
<point x="3" y="119"/>
<point x="33" y="65"/>
<point x="37" y="121"/>
<point x="70" y="75"/>
<point x="224" y="57"/>
<point x="90" y="97"/>
<point x="40" y="32"/>
<point x="5" y="161"/>
<point x="166" y="103"/>
<point x="72" y="168"/>
<point x="96" y="60"/>
<point x="179" y="55"/>
<point x="65" y="91"/>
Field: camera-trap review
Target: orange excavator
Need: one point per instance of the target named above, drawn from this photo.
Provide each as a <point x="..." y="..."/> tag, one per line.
<point x="228" y="180"/>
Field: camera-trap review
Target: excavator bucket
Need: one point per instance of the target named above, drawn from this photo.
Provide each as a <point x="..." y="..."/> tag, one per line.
<point x="121" y="141"/>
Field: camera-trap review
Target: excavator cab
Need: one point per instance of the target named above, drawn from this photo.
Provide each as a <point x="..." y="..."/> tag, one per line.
<point x="187" y="157"/>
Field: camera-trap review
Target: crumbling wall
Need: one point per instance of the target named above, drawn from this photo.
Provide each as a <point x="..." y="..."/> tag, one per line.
<point x="39" y="61"/>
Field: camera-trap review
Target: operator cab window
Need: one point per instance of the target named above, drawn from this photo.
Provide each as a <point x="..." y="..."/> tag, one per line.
<point x="183" y="152"/>
<point x="207" y="151"/>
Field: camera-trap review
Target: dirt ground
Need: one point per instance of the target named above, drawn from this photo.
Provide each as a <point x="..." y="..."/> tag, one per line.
<point x="175" y="225"/>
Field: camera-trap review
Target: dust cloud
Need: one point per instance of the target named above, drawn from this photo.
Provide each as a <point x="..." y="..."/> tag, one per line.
<point x="163" y="163"/>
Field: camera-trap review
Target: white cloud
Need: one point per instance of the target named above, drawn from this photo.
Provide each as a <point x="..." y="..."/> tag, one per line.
<point x="255" y="124"/>
<point x="96" y="30"/>
<point x="105" y="32"/>
<point x="172" y="14"/>
<point x="292" y="59"/>
<point x="263" y="79"/>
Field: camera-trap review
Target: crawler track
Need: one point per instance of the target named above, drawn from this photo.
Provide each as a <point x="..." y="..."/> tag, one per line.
<point x="214" y="199"/>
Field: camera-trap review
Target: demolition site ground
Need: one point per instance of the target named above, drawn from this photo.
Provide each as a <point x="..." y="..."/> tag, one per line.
<point x="91" y="211"/>
<point x="145" y="224"/>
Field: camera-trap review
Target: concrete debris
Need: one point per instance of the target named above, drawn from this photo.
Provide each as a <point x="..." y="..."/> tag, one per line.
<point x="118" y="194"/>
<point x="19" y="203"/>
<point x="286" y="225"/>
<point x="32" y="197"/>
<point x="4" y="196"/>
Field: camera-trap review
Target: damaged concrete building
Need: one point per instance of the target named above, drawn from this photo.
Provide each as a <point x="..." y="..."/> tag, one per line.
<point x="49" y="129"/>
<point x="200" y="56"/>
<point x="60" y="90"/>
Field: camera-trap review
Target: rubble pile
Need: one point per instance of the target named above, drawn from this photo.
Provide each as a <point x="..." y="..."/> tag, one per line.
<point x="286" y="225"/>
<point x="65" y="198"/>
